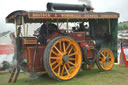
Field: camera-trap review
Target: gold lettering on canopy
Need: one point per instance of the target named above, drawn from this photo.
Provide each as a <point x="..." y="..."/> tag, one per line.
<point x="71" y="15"/>
<point x="40" y="15"/>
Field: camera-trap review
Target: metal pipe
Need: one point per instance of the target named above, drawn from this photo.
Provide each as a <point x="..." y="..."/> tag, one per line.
<point x="74" y="7"/>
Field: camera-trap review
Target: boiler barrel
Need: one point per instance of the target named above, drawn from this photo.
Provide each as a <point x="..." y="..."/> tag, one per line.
<point x="74" y="7"/>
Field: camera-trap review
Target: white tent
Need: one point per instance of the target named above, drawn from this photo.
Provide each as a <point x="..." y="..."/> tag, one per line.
<point x="5" y="41"/>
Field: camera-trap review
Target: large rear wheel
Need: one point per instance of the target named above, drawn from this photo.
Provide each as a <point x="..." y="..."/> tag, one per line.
<point x="105" y="59"/>
<point x="62" y="58"/>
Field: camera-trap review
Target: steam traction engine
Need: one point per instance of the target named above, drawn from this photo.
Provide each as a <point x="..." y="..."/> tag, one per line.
<point x="85" y="38"/>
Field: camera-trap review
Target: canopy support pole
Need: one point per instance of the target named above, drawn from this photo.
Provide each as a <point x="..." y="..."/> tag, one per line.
<point x="67" y="27"/>
<point x="109" y="26"/>
<point x="15" y="27"/>
<point x="23" y="25"/>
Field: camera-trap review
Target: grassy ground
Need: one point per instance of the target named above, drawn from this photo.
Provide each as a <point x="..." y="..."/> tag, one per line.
<point x="117" y="76"/>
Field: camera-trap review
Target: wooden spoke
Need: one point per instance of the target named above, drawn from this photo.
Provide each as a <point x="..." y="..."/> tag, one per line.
<point x="72" y="54"/>
<point x="68" y="46"/>
<point x="71" y="63"/>
<point x="59" y="70"/>
<point x="64" y="46"/>
<point x="55" y="57"/>
<point x="68" y="66"/>
<point x="106" y="64"/>
<point x="53" y="63"/>
<point x="62" y="72"/>
<point x="71" y="58"/>
<point x="66" y="69"/>
<point x="103" y="54"/>
<point x="56" y="66"/>
<point x="57" y="50"/>
<point x="107" y="55"/>
<point x="100" y="58"/>
<point x="102" y="63"/>
<point x="60" y="46"/>
<point x="54" y="53"/>
<point x="70" y="51"/>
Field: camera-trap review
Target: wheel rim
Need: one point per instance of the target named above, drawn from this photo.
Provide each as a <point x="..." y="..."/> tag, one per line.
<point x="106" y="59"/>
<point x="65" y="58"/>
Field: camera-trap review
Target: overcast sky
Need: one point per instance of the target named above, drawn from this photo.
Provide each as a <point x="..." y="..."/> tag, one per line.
<point x="7" y="6"/>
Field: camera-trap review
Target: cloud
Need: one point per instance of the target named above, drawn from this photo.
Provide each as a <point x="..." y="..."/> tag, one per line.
<point x="119" y="6"/>
<point x="7" y="6"/>
<point x="88" y="2"/>
<point x="5" y="27"/>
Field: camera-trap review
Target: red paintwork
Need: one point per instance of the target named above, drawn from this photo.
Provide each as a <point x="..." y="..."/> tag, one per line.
<point x="29" y="55"/>
<point x="54" y="35"/>
<point x="6" y="49"/>
<point x="78" y="36"/>
<point x="125" y="60"/>
<point x="90" y="54"/>
<point x="84" y="44"/>
<point x="29" y="49"/>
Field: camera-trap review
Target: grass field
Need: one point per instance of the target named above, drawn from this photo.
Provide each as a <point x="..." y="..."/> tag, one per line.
<point x="117" y="76"/>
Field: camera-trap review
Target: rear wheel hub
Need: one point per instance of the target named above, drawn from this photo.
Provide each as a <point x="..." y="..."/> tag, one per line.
<point x="65" y="58"/>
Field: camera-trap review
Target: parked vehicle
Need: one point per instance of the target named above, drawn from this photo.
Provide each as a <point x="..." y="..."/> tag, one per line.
<point x="91" y="38"/>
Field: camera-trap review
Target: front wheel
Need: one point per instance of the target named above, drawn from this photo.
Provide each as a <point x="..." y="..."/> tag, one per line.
<point x="62" y="58"/>
<point x="105" y="59"/>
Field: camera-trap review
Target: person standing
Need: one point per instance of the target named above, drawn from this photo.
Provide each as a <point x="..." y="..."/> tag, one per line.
<point x="43" y="33"/>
